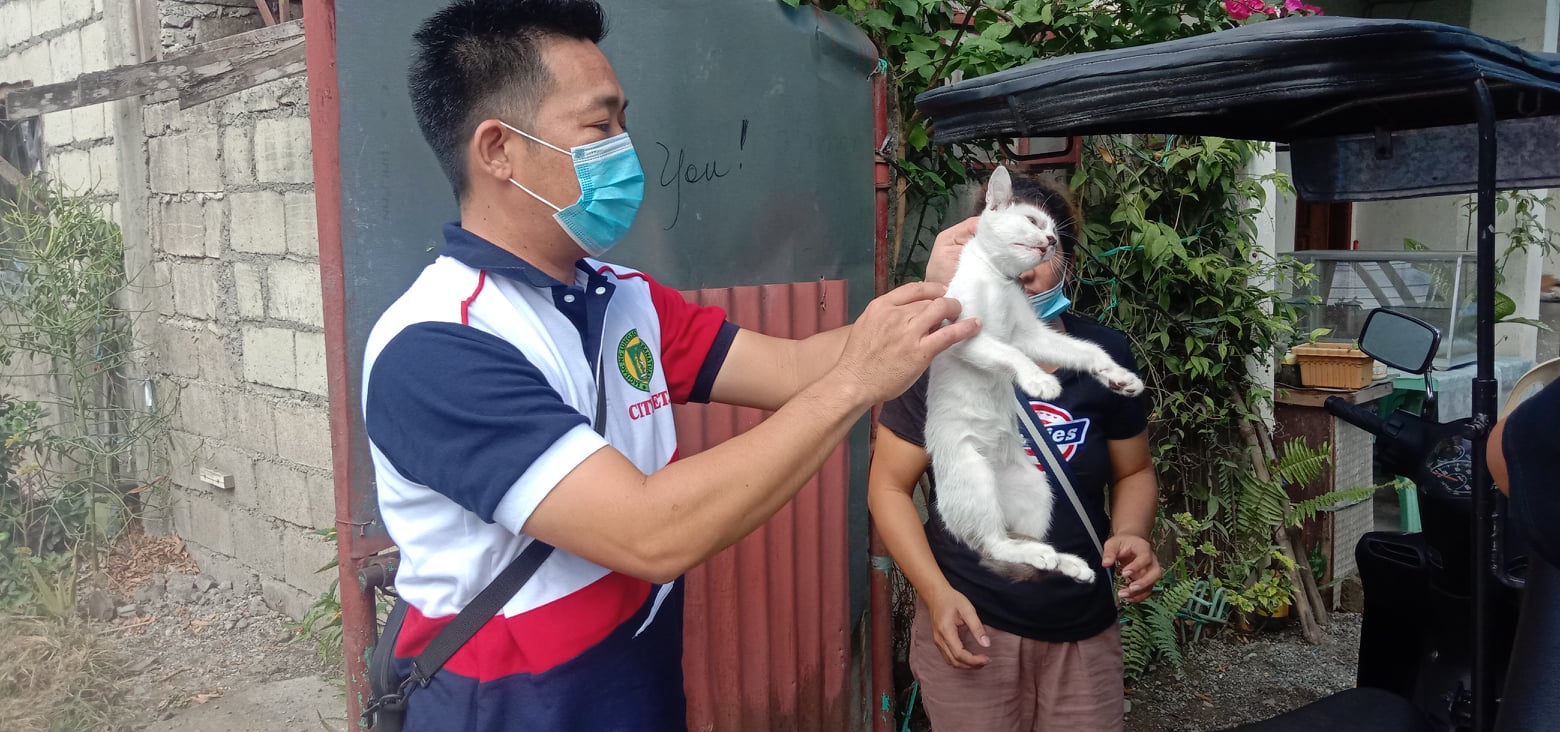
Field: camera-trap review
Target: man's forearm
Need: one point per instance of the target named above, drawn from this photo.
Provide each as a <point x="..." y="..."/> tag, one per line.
<point x="711" y="500"/>
<point x="818" y="353"/>
<point x="1134" y="503"/>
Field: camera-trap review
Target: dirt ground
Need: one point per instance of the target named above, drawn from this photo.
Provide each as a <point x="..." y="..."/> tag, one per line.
<point x="203" y="655"/>
<point x="206" y="655"/>
<point x="1231" y="679"/>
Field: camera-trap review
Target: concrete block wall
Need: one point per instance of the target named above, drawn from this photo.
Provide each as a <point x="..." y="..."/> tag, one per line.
<point x="240" y="337"/>
<point x="48" y="41"/>
<point x="217" y="206"/>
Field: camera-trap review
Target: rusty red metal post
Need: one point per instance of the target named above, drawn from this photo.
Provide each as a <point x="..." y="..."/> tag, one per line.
<point x="357" y="601"/>
<point x="881" y="698"/>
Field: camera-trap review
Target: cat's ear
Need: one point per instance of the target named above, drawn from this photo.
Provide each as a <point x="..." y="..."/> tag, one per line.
<point x="999" y="190"/>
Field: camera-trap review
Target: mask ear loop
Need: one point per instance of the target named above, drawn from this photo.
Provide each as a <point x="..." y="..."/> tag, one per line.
<point x="533" y="195"/>
<point x="538" y="140"/>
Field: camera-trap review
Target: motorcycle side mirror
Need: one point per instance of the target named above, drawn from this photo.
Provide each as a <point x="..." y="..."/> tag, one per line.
<point x="1401" y="341"/>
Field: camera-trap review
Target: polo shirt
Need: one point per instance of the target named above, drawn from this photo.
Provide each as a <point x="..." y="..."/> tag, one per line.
<point x="479" y="388"/>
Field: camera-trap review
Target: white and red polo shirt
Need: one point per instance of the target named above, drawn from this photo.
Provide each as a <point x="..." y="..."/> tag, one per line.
<point x="478" y="392"/>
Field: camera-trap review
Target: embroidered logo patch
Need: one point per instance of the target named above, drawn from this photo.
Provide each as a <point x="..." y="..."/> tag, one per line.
<point x="635" y="362"/>
<point x="1067" y="433"/>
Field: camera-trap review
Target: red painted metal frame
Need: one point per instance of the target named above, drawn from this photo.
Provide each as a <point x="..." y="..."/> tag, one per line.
<point x="357" y="601"/>
<point x="767" y="623"/>
<point x="880" y="687"/>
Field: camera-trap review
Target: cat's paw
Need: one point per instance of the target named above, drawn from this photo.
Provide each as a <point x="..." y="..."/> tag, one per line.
<point x="1040" y="385"/>
<point x="1120" y="380"/>
<point x="1074" y="568"/>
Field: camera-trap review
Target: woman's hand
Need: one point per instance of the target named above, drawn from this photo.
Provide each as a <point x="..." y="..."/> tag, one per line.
<point x="951" y="610"/>
<point x="944" y="259"/>
<point x="1140" y="566"/>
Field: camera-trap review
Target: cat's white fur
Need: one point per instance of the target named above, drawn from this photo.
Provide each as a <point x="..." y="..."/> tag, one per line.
<point x="989" y="493"/>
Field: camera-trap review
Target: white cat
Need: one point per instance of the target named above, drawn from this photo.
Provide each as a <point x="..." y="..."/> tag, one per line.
<point x="989" y="493"/>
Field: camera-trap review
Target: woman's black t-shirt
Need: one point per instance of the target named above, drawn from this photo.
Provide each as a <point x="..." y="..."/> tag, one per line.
<point x="1080" y="421"/>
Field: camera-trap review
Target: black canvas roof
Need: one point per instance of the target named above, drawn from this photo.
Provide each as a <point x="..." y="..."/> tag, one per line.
<point x="1278" y="80"/>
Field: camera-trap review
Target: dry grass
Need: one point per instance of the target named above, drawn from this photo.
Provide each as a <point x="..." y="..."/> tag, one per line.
<point x="57" y="675"/>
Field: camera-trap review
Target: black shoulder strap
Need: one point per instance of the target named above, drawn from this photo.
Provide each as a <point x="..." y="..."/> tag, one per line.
<point x="492" y="598"/>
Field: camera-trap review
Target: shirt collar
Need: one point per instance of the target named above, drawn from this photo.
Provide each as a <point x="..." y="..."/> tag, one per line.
<point x="478" y="253"/>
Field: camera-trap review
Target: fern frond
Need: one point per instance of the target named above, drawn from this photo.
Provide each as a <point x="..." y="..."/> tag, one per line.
<point x="1302" y="463"/>
<point x="1260" y="507"/>
<point x="1303" y="511"/>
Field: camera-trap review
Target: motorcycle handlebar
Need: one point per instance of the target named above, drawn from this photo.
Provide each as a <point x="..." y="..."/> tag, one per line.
<point x="1354" y="414"/>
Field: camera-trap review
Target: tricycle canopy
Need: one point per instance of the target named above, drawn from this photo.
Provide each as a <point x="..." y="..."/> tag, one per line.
<point x="1374" y="108"/>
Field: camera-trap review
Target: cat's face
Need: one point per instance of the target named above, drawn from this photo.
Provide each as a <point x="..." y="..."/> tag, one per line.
<point x="1013" y="236"/>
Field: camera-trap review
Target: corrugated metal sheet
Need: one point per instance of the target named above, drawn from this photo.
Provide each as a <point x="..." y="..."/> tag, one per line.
<point x="767" y="640"/>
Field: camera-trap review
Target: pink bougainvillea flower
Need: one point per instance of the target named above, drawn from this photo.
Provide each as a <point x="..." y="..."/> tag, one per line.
<point x="1242" y="9"/>
<point x="1299" y="6"/>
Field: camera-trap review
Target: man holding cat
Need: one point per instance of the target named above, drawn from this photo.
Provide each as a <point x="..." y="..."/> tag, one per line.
<point x="517" y="392"/>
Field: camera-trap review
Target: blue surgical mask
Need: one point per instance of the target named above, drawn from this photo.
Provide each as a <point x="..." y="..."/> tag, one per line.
<point x="612" y="185"/>
<point x="1050" y="304"/>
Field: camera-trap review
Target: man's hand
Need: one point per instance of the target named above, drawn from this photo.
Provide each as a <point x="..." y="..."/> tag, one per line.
<point x="949" y="611"/>
<point x="895" y="339"/>
<point x="944" y="259"/>
<point x="1140" y="565"/>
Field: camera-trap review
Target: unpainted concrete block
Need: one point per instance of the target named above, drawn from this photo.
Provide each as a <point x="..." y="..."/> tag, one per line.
<point x="238" y="160"/>
<point x="210" y="524"/>
<point x="195" y="290"/>
<point x="35" y="65"/>
<point x="89" y="122"/>
<point x="322" y="500"/>
<point x="269" y="358"/>
<point x="249" y="290"/>
<point x="205" y="174"/>
<point x="65" y="56"/>
<point x="283" y="152"/>
<point x="257" y="542"/>
<point x="201" y="410"/>
<point x="184" y="453"/>
<point x="251" y="422"/>
<point x="46" y="16"/>
<point x="283" y="492"/>
<point x="305" y="554"/>
<point x="74" y="11"/>
<point x="159" y="287"/>
<point x="303" y="433"/>
<point x="157" y="119"/>
<point x="179" y="227"/>
<point x="215" y="217"/>
<point x="94" y="47"/>
<point x="303" y="237"/>
<point x="169" y="163"/>
<point x="103" y="167"/>
<point x="73" y="169"/>
<point x="210" y="29"/>
<point x="173" y="350"/>
<point x="59" y="128"/>
<point x="15" y="23"/>
<point x="257" y="222"/>
<point x="310" y="348"/>
<point x="294" y="290"/>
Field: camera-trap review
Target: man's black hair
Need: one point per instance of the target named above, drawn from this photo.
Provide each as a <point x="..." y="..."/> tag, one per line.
<point x="482" y="59"/>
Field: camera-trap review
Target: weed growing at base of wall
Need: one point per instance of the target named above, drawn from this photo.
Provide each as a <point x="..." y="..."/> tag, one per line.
<point x="80" y="456"/>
